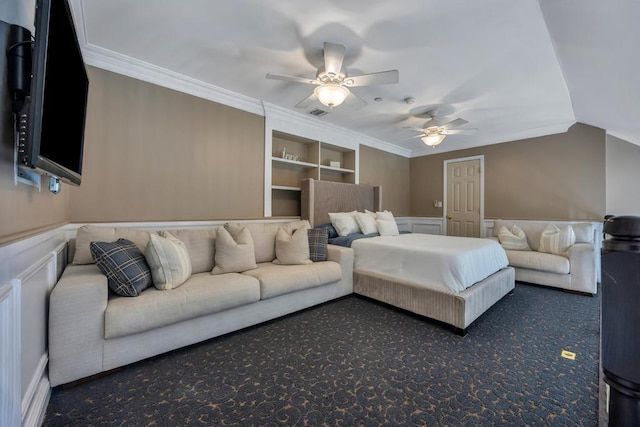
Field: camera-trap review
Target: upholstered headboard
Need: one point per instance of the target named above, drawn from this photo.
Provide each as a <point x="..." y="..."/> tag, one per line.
<point x="321" y="197"/>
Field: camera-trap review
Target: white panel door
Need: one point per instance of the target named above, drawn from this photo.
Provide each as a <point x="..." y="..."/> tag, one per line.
<point x="463" y="198"/>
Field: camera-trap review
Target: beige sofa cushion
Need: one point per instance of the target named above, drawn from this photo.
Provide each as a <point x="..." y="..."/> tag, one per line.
<point x="234" y="252"/>
<point x="168" y="261"/>
<point x="200" y="295"/>
<point x="200" y="243"/>
<point x="541" y="261"/>
<point x="264" y="235"/>
<point x="584" y="232"/>
<point x="94" y="233"/>
<point x="292" y="249"/>
<point x="281" y="279"/>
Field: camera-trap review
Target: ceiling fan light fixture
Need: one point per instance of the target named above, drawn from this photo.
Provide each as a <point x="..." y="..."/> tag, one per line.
<point x="331" y="94"/>
<point x="433" y="139"/>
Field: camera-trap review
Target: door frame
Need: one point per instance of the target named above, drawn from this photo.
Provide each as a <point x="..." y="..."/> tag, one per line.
<point x="445" y="190"/>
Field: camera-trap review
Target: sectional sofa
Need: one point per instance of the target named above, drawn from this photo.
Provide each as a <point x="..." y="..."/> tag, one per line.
<point x="92" y="330"/>
<point x="574" y="267"/>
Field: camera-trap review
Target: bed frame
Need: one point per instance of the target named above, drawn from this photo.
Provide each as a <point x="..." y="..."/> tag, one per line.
<point x="456" y="309"/>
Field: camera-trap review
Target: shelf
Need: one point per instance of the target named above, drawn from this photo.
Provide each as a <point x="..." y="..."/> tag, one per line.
<point x="284" y="188"/>
<point x="339" y="170"/>
<point x="294" y="163"/>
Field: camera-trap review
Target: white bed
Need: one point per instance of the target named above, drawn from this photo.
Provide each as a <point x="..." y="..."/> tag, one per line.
<point x="414" y="277"/>
<point x="447" y="264"/>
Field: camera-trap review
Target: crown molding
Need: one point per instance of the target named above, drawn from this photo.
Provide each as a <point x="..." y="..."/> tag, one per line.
<point x="140" y="70"/>
<point x="555" y="128"/>
<point x="121" y="64"/>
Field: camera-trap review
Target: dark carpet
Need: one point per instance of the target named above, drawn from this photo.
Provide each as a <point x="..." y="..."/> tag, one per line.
<point x="356" y="362"/>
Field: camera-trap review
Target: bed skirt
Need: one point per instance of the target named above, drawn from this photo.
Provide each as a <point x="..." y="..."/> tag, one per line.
<point x="458" y="310"/>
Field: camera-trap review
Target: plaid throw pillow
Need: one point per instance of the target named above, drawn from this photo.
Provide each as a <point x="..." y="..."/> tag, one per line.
<point x="318" y="238"/>
<point x="124" y="265"/>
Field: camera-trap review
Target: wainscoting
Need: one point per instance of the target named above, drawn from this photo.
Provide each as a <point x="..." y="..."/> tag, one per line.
<point x="29" y="269"/>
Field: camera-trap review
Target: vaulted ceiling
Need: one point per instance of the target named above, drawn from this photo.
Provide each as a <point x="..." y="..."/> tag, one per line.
<point x="512" y="69"/>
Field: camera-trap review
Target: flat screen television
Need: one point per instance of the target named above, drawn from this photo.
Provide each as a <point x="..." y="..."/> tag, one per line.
<point x="55" y="113"/>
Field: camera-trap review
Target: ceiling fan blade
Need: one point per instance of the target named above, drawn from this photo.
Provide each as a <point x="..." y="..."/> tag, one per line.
<point x="381" y="78"/>
<point x="412" y="128"/>
<point x="354" y="101"/>
<point x="454" y="123"/>
<point x="292" y="79"/>
<point x="307" y="101"/>
<point x="460" y="131"/>
<point x="333" y="57"/>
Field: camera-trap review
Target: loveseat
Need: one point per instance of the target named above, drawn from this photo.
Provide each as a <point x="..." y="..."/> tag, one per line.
<point x="92" y="329"/>
<point x="573" y="267"/>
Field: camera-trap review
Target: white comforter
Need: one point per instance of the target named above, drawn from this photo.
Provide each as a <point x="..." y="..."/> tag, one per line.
<point x="446" y="263"/>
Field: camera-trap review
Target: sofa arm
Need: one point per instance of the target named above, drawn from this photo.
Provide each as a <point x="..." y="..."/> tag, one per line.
<point x="344" y="257"/>
<point x="583" y="262"/>
<point x="76" y="324"/>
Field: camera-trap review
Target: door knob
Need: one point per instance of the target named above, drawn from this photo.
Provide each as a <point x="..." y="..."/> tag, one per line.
<point x="448" y="216"/>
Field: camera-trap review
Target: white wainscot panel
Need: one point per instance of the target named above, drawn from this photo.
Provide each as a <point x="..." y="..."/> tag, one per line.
<point x="29" y="270"/>
<point x="10" y="402"/>
<point x="427" y="225"/>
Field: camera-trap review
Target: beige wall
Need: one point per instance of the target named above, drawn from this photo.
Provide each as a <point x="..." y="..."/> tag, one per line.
<point x="23" y="209"/>
<point x="623" y="176"/>
<point x="392" y="173"/>
<point x="154" y="154"/>
<point x="553" y="177"/>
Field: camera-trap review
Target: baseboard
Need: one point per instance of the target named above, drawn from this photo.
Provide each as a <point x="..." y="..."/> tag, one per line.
<point x="37" y="407"/>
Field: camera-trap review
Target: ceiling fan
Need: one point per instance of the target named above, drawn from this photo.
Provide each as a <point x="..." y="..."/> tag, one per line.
<point x="435" y="129"/>
<point x="333" y="82"/>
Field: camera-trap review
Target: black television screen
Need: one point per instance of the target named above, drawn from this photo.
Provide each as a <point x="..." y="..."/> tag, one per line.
<point x="56" y="110"/>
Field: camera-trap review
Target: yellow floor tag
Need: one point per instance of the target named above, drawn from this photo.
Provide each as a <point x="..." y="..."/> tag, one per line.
<point x="568" y="355"/>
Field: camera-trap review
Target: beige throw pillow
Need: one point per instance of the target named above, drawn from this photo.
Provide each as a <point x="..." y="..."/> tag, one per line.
<point x="514" y="239"/>
<point x="292" y="249"/>
<point x="169" y="261"/>
<point x="234" y="254"/>
<point x="555" y="240"/>
<point x="366" y="223"/>
<point x="96" y="233"/>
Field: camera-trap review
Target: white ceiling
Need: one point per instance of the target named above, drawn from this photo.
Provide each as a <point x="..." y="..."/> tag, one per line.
<point x="513" y="69"/>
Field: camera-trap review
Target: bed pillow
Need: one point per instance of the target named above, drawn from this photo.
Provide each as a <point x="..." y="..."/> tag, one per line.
<point x="344" y="222"/>
<point x="385" y="215"/>
<point x="514" y="239"/>
<point x="555" y="240"/>
<point x="123" y="263"/>
<point x="331" y="231"/>
<point x="234" y="254"/>
<point x="366" y="223"/>
<point x="169" y="261"/>
<point x="292" y="249"/>
<point x="318" y="239"/>
<point x="387" y="227"/>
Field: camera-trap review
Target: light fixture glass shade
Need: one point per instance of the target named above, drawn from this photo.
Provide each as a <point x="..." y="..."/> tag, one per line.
<point x="433" y="139"/>
<point x="331" y="94"/>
